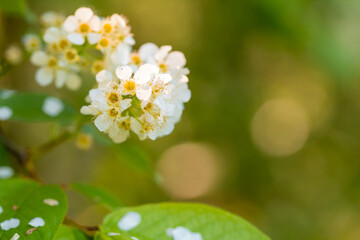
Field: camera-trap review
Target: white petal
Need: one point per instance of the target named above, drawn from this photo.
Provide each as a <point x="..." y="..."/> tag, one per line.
<point x="145" y="73"/>
<point x="129" y="40"/>
<point x="95" y="23"/>
<point x="162" y="53"/>
<point x="118" y="135"/>
<point x="88" y="110"/>
<point x="96" y="94"/>
<point x="125" y="104"/>
<point x="60" y="78"/>
<point x="164" y="78"/>
<point x="102" y="122"/>
<point x="39" y="58"/>
<point x="84" y="14"/>
<point x="71" y="24"/>
<point x="104" y="75"/>
<point x="52" y="106"/>
<point x="76" y="38"/>
<point x="93" y="37"/>
<point x="135" y="125"/>
<point x="5" y="113"/>
<point x="143" y="94"/>
<point x="122" y="55"/>
<point x="44" y="76"/>
<point x="176" y="60"/>
<point x="147" y="52"/>
<point x="119" y="20"/>
<point x="123" y="72"/>
<point x="52" y="35"/>
<point x="73" y="82"/>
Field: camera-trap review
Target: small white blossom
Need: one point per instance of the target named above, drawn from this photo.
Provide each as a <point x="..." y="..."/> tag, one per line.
<point x="13" y="54"/>
<point x="5" y="113"/>
<point x="31" y="42"/>
<point x="83" y="24"/>
<point x="52" y="19"/>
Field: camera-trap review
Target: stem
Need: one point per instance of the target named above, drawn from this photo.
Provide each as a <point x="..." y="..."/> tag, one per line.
<point x="71" y="222"/>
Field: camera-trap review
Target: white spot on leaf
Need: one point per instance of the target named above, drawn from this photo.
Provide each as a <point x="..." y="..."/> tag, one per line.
<point x="182" y="233"/>
<point x="1" y="210"/>
<point x="51" y="202"/>
<point x="52" y="106"/>
<point x="113" y="234"/>
<point x="129" y="221"/>
<point x="37" y="222"/>
<point x="15" y="237"/>
<point x="6" y="172"/>
<point x="5" y="113"/>
<point x="9" y="224"/>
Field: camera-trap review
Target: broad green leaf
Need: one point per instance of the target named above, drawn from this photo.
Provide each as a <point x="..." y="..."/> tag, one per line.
<point x="131" y="154"/>
<point x="24" y="200"/>
<point x="69" y="233"/>
<point x="30" y="107"/>
<point x="97" y="194"/>
<point x="134" y="156"/>
<point x="156" y="219"/>
<point x="18" y="7"/>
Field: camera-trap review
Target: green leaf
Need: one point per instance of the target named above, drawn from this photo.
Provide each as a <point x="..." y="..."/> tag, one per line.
<point x="156" y="219"/>
<point x="17" y="7"/>
<point x="97" y="194"/>
<point x="24" y="200"/>
<point x="134" y="156"/>
<point x="68" y="233"/>
<point x="29" y="107"/>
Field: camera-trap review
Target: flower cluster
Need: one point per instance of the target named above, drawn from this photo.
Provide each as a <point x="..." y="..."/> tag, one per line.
<point x="142" y="91"/>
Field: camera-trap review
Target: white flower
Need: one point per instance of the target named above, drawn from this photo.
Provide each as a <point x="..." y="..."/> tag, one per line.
<point x="56" y="39"/>
<point x="31" y="42"/>
<point x="52" y="19"/>
<point x="13" y="54"/>
<point x="53" y="69"/>
<point x="83" y="24"/>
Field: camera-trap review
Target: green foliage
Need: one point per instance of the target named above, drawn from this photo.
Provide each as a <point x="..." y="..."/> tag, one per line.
<point x="68" y="233"/>
<point x="210" y="222"/>
<point x="28" y="107"/>
<point x="133" y="155"/>
<point x="96" y="194"/>
<point x="17" y="7"/>
<point x="24" y="200"/>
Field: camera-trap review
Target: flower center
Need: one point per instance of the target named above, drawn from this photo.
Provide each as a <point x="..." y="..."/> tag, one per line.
<point x="104" y="42"/>
<point x="107" y="28"/>
<point x="71" y="55"/>
<point x="64" y="44"/>
<point x="113" y="112"/>
<point x="113" y="98"/>
<point x="52" y="62"/>
<point x="136" y="59"/>
<point x="129" y="86"/>
<point x="125" y="125"/>
<point x="163" y="67"/>
<point x="84" y="28"/>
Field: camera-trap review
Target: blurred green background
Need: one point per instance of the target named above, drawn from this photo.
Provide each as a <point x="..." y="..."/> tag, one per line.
<point x="273" y="127"/>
